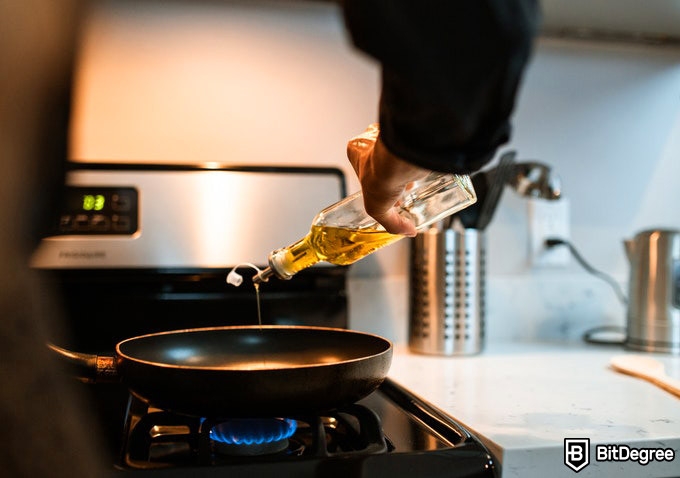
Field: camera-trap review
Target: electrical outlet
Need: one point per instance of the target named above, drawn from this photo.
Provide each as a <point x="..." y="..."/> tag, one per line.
<point x="548" y="219"/>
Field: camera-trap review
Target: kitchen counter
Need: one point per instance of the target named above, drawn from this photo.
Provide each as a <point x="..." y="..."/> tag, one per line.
<point x="523" y="400"/>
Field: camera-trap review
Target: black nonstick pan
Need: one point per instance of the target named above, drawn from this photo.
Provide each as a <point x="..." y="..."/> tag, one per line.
<point x="244" y="370"/>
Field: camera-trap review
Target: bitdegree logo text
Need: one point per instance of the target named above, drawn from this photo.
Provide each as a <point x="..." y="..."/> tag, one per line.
<point x="625" y="453"/>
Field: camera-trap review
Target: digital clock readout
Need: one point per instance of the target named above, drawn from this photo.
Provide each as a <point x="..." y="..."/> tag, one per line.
<point x="93" y="202"/>
<point x="99" y="210"/>
<point x="100" y="200"/>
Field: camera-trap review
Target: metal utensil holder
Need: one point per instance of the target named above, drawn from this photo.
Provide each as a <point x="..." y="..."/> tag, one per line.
<point x="447" y="292"/>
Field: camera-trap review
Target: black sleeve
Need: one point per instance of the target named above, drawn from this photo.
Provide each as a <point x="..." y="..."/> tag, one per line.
<point x="450" y="73"/>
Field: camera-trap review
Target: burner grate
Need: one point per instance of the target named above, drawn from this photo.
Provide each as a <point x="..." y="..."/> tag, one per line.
<point x="157" y="439"/>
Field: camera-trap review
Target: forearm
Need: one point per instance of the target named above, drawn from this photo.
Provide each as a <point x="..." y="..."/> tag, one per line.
<point x="450" y="73"/>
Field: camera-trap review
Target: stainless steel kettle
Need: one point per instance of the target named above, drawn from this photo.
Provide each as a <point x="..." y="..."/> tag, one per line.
<point x="653" y="316"/>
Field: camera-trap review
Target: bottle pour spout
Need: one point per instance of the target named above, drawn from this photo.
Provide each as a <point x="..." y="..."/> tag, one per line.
<point x="263" y="275"/>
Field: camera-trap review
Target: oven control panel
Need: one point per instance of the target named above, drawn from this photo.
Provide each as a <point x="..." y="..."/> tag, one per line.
<point x="99" y="210"/>
<point x="182" y="216"/>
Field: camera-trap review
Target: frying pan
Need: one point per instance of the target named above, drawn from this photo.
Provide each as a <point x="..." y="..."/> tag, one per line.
<point x="243" y="370"/>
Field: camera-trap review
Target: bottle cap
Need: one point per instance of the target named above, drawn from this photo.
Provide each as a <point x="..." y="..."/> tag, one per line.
<point x="234" y="278"/>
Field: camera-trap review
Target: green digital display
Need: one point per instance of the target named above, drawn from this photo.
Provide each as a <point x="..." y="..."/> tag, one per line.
<point x="93" y="202"/>
<point x="99" y="210"/>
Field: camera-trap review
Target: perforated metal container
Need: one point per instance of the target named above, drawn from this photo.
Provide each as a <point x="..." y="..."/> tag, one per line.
<point x="447" y="292"/>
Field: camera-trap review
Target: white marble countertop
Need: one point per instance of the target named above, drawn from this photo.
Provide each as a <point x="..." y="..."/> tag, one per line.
<point x="523" y="400"/>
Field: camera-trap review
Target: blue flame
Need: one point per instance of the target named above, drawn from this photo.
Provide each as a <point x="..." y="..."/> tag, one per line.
<point x="253" y="431"/>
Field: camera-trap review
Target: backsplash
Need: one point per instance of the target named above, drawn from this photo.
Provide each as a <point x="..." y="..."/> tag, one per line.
<point x="279" y="83"/>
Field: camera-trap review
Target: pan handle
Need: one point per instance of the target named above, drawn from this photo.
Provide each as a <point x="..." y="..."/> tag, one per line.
<point x="88" y="368"/>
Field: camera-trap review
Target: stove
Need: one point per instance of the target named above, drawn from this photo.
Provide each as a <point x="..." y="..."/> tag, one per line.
<point x="390" y="433"/>
<point x="139" y="249"/>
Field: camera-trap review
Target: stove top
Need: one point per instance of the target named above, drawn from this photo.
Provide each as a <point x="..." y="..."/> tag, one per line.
<point x="390" y="433"/>
<point x="115" y="283"/>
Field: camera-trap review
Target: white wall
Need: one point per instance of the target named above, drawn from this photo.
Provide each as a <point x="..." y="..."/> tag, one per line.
<point x="607" y="118"/>
<point x="279" y="83"/>
<point x="236" y="82"/>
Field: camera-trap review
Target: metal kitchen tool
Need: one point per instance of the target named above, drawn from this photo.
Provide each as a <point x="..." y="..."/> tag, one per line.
<point x="653" y="318"/>
<point x="648" y="369"/>
<point x="534" y="179"/>
<point x="497" y="178"/>
<point x="447" y="292"/>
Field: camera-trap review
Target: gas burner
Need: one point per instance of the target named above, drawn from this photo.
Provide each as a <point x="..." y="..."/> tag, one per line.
<point x="252" y="436"/>
<point x="156" y="438"/>
<point x="387" y="434"/>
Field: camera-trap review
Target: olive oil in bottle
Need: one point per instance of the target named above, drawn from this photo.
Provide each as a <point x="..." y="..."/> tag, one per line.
<point x="337" y="245"/>
<point x="344" y="233"/>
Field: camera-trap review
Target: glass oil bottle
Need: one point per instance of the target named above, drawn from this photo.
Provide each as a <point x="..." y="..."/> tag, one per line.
<point x="343" y="233"/>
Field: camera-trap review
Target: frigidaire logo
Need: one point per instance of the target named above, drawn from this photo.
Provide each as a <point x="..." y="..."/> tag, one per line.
<point x="87" y="255"/>
<point x="576" y="453"/>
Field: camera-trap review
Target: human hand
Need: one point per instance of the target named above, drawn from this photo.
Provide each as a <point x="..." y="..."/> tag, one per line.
<point x="383" y="177"/>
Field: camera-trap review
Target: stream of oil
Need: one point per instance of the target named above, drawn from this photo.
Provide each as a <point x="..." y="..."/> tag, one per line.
<point x="257" y="299"/>
<point x="259" y="317"/>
